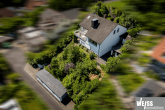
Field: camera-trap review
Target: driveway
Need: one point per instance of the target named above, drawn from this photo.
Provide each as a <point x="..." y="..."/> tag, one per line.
<point x="17" y="61"/>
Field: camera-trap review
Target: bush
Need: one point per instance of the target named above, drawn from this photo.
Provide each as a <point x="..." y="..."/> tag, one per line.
<point x="133" y="32"/>
<point x="86" y="49"/>
<point x="103" y="67"/>
<point x="117" y="20"/>
<point x="46" y="58"/>
<point x="110" y="18"/>
<point x="92" y="55"/>
<point x="75" y="107"/>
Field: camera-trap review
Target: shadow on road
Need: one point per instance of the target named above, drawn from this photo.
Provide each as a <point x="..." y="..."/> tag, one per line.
<point x="66" y="100"/>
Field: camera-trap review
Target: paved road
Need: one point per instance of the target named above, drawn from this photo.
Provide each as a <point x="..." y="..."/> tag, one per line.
<point x="17" y="61"/>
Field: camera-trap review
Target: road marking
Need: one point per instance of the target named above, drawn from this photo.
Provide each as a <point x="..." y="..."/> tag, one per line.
<point x="42" y="87"/>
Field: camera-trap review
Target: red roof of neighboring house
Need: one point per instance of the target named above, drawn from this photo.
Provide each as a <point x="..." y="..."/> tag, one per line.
<point x="4" y="12"/>
<point x="31" y="4"/>
<point x="159" y="51"/>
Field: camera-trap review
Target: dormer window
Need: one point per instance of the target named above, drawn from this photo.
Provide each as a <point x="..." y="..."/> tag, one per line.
<point x="117" y="30"/>
<point x="114" y="32"/>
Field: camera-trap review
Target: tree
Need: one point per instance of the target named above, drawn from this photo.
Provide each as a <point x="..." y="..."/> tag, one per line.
<point x="68" y="66"/>
<point x="13" y="77"/>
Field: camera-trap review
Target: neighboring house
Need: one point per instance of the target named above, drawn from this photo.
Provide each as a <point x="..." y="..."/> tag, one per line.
<point x="158" y="54"/>
<point x="72" y="14"/>
<point x="99" y="34"/>
<point x="52" y="84"/>
<point x="33" y="37"/>
<point x="11" y="104"/>
<point x="150" y="89"/>
<point x="31" y="4"/>
<point x="49" y="19"/>
<point x="53" y="23"/>
<point x="158" y="59"/>
<point x="4" y="39"/>
<point x="5" y="12"/>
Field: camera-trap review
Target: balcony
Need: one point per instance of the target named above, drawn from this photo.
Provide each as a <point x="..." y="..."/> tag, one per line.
<point x="81" y="34"/>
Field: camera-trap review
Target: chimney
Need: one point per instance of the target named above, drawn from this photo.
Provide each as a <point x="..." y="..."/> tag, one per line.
<point x="94" y="23"/>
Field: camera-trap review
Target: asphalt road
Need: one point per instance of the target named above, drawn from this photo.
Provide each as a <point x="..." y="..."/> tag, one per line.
<point x="17" y="61"/>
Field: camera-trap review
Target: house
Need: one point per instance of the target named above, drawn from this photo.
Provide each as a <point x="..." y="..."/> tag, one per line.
<point x="99" y="34"/>
<point x="50" y="19"/>
<point x="31" y="4"/>
<point x="4" y="39"/>
<point x="150" y="89"/>
<point x="158" y="54"/>
<point x="5" y="12"/>
<point x="11" y="104"/>
<point x="33" y="37"/>
<point x="52" y="84"/>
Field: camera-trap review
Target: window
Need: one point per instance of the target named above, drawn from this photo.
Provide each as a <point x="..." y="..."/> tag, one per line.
<point x="93" y="42"/>
<point x="117" y="30"/>
<point x="114" y="32"/>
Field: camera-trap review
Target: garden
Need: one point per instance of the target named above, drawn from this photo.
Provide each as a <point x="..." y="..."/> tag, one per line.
<point x="73" y="67"/>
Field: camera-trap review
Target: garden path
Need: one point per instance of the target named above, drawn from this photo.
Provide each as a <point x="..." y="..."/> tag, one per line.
<point x="128" y="101"/>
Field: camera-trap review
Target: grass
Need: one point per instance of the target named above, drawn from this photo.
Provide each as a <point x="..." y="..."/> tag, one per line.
<point x="152" y="75"/>
<point x="117" y="4"/>
<point x="130" y="82"/>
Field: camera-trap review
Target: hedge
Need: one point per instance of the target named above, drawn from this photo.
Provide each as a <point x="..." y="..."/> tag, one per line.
<point x="46" y="59"/>
<point x="133" y="32"/>
<point x="112" y="61"/>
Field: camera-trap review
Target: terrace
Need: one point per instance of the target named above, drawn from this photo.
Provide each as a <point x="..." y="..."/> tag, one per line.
<point x="81" y="34"/>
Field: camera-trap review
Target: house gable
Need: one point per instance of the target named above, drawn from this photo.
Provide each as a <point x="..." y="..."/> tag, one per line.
<point x="112" y="39"/>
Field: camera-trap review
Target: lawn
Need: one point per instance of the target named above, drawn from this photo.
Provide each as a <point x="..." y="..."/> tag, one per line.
<point x="117" y="4"/>
<point x="152" y="75"/>
<point x="130" y="82"/>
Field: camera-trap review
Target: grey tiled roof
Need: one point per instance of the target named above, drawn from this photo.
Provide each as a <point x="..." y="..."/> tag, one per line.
<point x="53" y="83"/>
<point x="5" y="38"/>
<point x="104" y="28"/>
<point x="151" y="89"/>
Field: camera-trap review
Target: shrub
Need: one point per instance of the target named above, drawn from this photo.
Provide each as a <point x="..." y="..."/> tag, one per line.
<point x="110" y="18"/>
<point x="86" y="49"/>
<point x="75" y="39"/>
<point x="75" y="107"/>
<point x="46" y="58"/>
<point x="133" y="32"/>
<point x="103" y="66"/>
<point x="92" y="55"/>
<point x="117" y="20"/>
<point x="123" y="49"/>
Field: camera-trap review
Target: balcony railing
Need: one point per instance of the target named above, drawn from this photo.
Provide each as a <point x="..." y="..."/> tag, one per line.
<point x="80" y="34"/>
